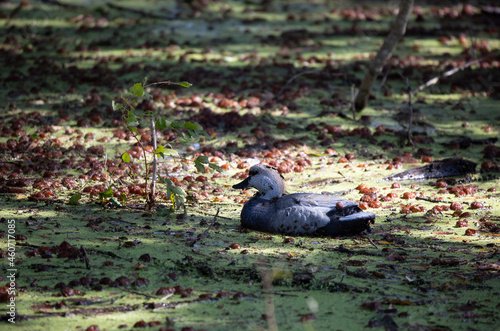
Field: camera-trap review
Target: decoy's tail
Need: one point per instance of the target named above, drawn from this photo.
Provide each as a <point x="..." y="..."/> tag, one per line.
<point x="356" y="223"/>
<point x="352" y="224"/>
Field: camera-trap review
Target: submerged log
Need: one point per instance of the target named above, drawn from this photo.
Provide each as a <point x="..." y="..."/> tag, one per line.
<point x="442" y="168"/>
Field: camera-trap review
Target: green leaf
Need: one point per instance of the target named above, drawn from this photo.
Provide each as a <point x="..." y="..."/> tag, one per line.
<point x="116" y="105"/>
<point x="165" y="180"/>
<point x="177" y="124"/>
<point x="178" y="191"/>
<point x="202" y="159"/>
<point x="161" y="123"/>
<point x="115" y="202"/>
<point x="170" y="151"/>
<point x="184" y="140"/>
<point x="126" y="157"/>
<point x="137" y="90"/>
<point x="160" y="150"/>
<point x="199" y="166"/>
<point x="74" y="199"/>
<point x="192" y="126"/>
<point x="131" y="118"/>
<point x="106" y="194"/>
<point x="180" y="199"/>
<point x="184" y="84"/>
<point x="192" y="134"/>
<point x="216" y="167"/>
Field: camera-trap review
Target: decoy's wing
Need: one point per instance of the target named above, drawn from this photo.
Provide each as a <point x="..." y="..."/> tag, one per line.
<point x="316" y="200"/>
<point x="299" y="219"/>
<point x="308" y="212"/>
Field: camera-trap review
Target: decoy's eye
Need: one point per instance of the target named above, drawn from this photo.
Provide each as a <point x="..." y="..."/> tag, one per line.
<point x="252" y="173"/>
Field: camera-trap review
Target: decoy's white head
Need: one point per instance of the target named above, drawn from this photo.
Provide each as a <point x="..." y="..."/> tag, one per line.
<point x="266" y="179"/>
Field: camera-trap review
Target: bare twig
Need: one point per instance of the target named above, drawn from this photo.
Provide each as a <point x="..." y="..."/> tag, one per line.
<point x="448" y="73"/>
<point x="14" y="13"/>
<point x="371" y="242"/>
<point x="155" y="166"/>
<point x="203" y="235"/>
<point x="139" y="293"/>
<point x="211" y="204"/>
<point x="139" y="12"/>
<point x="353" y="97"/>
<point x="432" y="200"/>
<point x="291" y="80"/>
<point x="267" y="284"/>
<point x="60" y="4"/>
<point x="85" y="257"/>
<point x="376" y="65"/>
<point x="384" y="79"/>
<point x="138" y="139"/>
<point x="410" y="120"/>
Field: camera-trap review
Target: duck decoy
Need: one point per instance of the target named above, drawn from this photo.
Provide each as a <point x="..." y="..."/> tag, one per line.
<point x="271" y="210"/>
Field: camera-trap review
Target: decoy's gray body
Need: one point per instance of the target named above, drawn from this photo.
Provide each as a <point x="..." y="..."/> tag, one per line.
<point x="270" y="210"/>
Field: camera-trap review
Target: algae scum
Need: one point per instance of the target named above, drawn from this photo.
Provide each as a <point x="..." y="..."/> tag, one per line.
<point x="273" y="83"/>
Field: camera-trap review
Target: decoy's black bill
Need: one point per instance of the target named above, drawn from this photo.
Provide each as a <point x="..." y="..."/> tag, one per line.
<point x="243" y="184"/>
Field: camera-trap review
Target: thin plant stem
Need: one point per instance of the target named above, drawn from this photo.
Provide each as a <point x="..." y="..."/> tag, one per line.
<point x="155" y="166"/>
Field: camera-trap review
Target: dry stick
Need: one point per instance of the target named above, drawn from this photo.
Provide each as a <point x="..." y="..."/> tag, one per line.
<point x="410" y="104"/>
<point x="434" y="200"/>
<point x="206" y="231"/>
<point x="14" y="13"/>
<point x="384" y="79"/>
<point x="139" y="293"/>
<point x="165" y="82"/>
<point x="85" y="257"/>
<point x="448" y="73"/>
<point x="292" y="79"/>
<point x="353" y="108"/>
<point x="376" y="65"/>
<point x="371" y="242"/>
<point x="136" y="136"/>
<point x="155" y="166"/>
<point x="60" y="4"/>
<point x="267" y="283"/>
<point x="140" y="12"/>
<point x="208" y="214"/>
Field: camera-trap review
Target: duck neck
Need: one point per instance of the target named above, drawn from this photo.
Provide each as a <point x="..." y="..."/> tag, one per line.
<point x="270" y="194"/>
<point x="272" y="191"/>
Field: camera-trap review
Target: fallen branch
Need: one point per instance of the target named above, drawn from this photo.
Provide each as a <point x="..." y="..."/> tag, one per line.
<point x="408" y="139"/>
<point x="291" y="80"/>
<point x="85" y="257"/>
<point x="433" y="200"/>
<point x="437" y="169"/>
<point x="60" y="4"/>
<point x="203" y="235"/>
<point x="371" y="242"/>
<point x="139" y="293"/>
<point x="376" y="65"/>
<point x="139" y="12"/>
<point x="443" y="75"/>
<point x="111" y="254"/>
<point x="267" y="282"/>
